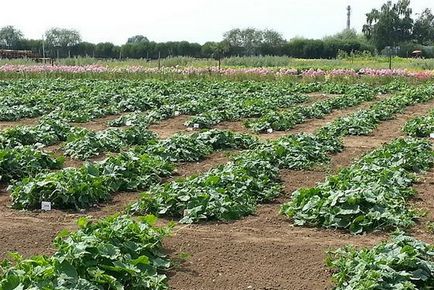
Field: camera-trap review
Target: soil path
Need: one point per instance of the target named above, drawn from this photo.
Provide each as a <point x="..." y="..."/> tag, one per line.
<point x="266" y="251"/>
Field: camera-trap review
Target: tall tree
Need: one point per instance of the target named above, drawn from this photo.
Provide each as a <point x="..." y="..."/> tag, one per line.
<point x="10" y="37"/>
<point x="272" y="43"/>
<point x="423" y="30"/>
<point x="390" y="25"/>
<point x="137" y="39"/>
<point x="251" y="41"/>
<point x="62" y="39"/>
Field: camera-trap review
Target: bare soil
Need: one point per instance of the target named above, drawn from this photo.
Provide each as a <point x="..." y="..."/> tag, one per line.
<point x="266" y="251"/>
<point x="167" y="128"/>
<point x="262" y="251"/>
<point x="22" y="122"/>
<point x="98" y="124"/>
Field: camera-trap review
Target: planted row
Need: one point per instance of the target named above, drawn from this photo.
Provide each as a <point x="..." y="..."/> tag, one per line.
<point x="82" y="100"/>
<point x="46" y="132"/>
<point x="87" y="143"/>
<point x="138" y="169"/>
<point x="91" y="184"/>
<point x="117" y="252"/>
<point x="364" y="122"/>
<point x="21" y="162"/>
<point x="421" y="126"/>
<point x="178" y="148"/>
<point x="237" y="108"/>
<point x="197" y="198"/>
<point x="371" y="194"/>
<point x="287" y="119"/>
<point x="233" y="190"/>
<point x="401" y="263"/>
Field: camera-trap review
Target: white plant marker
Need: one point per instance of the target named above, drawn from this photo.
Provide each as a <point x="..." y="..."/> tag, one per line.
<point x="269" y="130"/>
<point x="176" y="113"/>
<point x="46" y="205"/>
<point x="431" y="135"/>
<point x="196" y="126"/>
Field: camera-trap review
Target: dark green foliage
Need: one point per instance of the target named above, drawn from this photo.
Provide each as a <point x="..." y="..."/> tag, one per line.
<point x="287" y="119"/>
<point x="77" y="188"/>
<point x="116" y="252"/>
<point x="421" y="126"/>
<point x="369" y="195"/>
<point x="22" y="162"/>
<point x="224" y="193"/>
<point x="401" y="263"/>
<point x="89" y="143"/>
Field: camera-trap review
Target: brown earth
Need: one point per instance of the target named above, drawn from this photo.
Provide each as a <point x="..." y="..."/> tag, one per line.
<point x="98" y="124"/>
<point x="22" y="122"/>
<point x="266" y="251"/>
<point x="167" y="128"/>
<point x="263" y="251"/>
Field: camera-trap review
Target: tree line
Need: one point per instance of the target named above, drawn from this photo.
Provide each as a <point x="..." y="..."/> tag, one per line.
<point x="391" y="26"/>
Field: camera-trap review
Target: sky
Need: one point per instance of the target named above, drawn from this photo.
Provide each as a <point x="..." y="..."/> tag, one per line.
<point x="191" y="20"/>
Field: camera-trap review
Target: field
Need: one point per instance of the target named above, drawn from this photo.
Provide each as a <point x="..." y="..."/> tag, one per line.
<point x="256" y="183"/>
<point x="356" y="62"/>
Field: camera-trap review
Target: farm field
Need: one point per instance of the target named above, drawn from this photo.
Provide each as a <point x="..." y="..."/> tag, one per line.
<point x="262" y="179"/>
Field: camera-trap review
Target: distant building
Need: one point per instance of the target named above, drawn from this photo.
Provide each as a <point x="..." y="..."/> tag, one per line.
<point x="12" y="54"/>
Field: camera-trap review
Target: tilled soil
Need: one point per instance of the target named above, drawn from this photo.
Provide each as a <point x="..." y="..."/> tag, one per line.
<point x="22" y="122"/>
<point x="263" y="251"/>
<point x="266" y="251"/>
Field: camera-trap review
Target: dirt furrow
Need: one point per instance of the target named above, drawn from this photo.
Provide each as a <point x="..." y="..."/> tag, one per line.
<point x="43" y="226"/>
<point x="266" y="251"/>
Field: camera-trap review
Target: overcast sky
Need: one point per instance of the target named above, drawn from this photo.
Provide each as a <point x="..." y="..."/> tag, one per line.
<point x="191" y="20"/>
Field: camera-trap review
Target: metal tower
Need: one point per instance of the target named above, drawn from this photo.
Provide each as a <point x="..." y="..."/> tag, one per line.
<point x="349" y="17"/>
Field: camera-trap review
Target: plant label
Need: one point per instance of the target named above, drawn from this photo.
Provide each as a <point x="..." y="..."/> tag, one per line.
<point x="431" y="135"/>
<point x="269" y="131"/>
<point x="176" y="113"/>
<point x="196" y="126"/>
<point x="46" y="205"/>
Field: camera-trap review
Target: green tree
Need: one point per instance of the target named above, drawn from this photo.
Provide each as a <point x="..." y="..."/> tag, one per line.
<point x="423" y="30"/>
<point x="105" y="50"/>
<point x="61" y="39"/>
<point x="252" y="41"/>
<point x="138" y="39"/>
<point x="10" y="37"/>
<point x="272" y="42"/>
<point x="390" y="25"/>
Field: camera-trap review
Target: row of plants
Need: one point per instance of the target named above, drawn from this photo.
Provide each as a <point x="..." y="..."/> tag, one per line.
<point x="229" y="107"/>
<point x="178" y="148"/>
<point x="235" y="109"/>
<point x="371" y="194"/>
<point x="420" y="126"/>
<point x="88" y="143"/>
<point x="287" y="119"/>
<point x="233" y="190"/>
<point x="20" y="162"/>
<point x="365" y="121"/>
<point x="90" y="184"/>
<point x="403" y="262"/>
<point x="47" y="132"/>
<point x="215" y="194"/>
<point x="82" y="100"/>
<point x="280" y="114"/>
<point x="136" y="169"/>
<point x="116" y="252"/>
